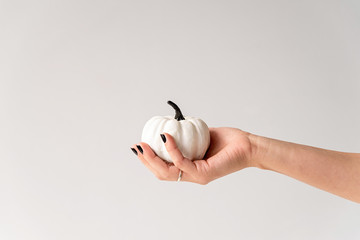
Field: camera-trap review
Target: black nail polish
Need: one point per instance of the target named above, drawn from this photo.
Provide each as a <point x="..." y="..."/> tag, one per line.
<point x="140" y="149"/>
<point x="134" y="151"/>
<point x="163" y="138"/>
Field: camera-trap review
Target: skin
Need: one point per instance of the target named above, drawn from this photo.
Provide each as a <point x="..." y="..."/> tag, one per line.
<point x="232" y="149"/>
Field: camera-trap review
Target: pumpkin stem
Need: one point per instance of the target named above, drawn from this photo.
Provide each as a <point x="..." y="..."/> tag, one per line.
<point x="178" y="115"/>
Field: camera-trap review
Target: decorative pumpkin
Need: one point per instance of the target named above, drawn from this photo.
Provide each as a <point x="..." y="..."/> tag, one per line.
<point x="191" y="134"/>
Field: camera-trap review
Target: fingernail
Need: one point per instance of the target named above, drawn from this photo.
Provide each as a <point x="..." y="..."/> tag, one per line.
<point x="134" y="151"/>
<point x="163" y="138"/>
<point x="140" y="149"/>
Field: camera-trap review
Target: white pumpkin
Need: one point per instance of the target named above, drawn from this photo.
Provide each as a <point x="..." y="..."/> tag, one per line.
<point x="191" y="134"/>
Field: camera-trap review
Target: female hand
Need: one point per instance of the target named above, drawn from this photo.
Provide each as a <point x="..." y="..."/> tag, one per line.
<point x="229" y="151"/>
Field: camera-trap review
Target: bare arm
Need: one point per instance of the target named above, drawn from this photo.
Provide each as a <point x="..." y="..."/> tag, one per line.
<point x="232" y="150"/>
<point x="332" y="171"/>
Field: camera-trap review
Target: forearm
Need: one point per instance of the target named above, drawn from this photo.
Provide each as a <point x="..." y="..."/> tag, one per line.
<point x="332" y="171"/>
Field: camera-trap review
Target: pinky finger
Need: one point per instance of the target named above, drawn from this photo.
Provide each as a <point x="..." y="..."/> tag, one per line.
<point x="142" y="159"/>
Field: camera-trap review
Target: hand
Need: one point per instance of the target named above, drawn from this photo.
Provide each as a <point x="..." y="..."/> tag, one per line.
<point x="229" y="151"/>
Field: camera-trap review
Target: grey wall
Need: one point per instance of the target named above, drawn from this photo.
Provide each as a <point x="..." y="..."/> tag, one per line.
<point x="79" y="79"/>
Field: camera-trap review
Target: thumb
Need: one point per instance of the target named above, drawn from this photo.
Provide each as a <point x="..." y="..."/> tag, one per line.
<point x="176" y="156"/>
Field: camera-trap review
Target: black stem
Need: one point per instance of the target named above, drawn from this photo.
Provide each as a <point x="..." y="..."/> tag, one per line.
<point x="178" y="115"/>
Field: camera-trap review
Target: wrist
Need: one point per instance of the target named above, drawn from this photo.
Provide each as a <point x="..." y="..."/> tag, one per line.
<point x="259" y="149"/>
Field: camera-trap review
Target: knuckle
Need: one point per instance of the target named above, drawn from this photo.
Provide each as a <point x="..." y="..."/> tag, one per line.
<point x="162" y="177"/>
<point x="166" y="176"/>
<point x="180" y="163"/>
<point x="172" y="147"/>
<point x="158" y="176"/>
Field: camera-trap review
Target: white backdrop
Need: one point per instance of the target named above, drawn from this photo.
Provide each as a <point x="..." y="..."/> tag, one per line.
<point x="79" y="79"/>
